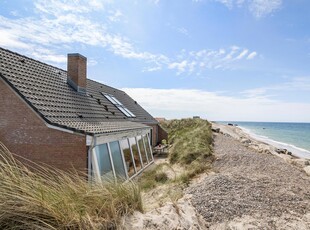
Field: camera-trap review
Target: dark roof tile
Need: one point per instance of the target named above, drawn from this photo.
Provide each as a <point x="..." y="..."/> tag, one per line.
<point x="45" y="88"/>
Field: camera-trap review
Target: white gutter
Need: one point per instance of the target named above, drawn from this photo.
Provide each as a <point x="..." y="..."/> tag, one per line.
<point x="58" y="128"/>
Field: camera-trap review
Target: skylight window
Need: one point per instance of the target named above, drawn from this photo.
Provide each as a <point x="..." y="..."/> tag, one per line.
<point x="119" y="105"/>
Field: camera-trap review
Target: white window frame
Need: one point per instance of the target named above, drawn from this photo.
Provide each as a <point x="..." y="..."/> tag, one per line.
<point x="150" y="146"/>
<point x="93" y="161"/>
<point x="119" y="105"/>
<point x="147" y="157"/>
<point x="111" y="159"/>
<point x="132" y="157"/>
<point x="137" y="143"/>
<point x="95" y="166"/>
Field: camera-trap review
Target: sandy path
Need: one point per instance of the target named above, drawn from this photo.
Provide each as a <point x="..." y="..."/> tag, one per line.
<point x="252" y="190"/>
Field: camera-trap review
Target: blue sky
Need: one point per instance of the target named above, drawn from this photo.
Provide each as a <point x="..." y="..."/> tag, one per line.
<point x="220" y="59"/>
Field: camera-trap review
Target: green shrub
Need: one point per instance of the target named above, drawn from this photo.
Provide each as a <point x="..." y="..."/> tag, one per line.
<point x="191" y="141"/>
<point x="46" y="198"/>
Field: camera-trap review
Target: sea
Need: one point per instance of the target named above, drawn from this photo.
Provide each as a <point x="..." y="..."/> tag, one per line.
<point x="294" y="137"/>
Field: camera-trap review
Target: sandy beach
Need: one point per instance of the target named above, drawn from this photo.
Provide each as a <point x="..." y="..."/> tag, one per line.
<point x="263" y="147"/>
<point x="251" y="186"/>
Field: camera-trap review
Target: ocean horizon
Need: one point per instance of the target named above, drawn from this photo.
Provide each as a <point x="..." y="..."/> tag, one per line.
<point x="293" y="136"/>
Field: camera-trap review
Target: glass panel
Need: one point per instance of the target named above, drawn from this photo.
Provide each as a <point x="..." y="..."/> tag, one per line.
<point x="123" y="111"/>
<point x="135" y="152"/>
<point x="142" y="150"/>
<point x="117" y="101"/>
<point x="110" y="99"/>
<point x="119" y="105"/>
<point x="127" y="156"/>
<point x="129" y="112"/>
<point x="117" y="159"/>
<point x="104" y="163"/>
<point x="147" y="146"/>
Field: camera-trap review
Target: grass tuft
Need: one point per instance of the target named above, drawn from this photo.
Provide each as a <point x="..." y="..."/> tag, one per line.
<point x="191" y="141"/>
<point x="46" y="198"/>
<point x="161" y="177"/>
<point x="153" y="177"/>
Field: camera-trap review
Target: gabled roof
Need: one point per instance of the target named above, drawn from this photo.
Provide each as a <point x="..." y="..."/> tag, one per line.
<point x="45" y="89"/>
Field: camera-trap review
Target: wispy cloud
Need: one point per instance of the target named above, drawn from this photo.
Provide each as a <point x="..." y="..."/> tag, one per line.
<point x="295" y="84"/>
<point x="178" y="103"/>
<point x="92" y="62"/>
<point x="115" y="15"/>
<point x="259" y="8"/>
<point x="65" y="23"/>
<point x="242" y="54"/>
<point x="57" y="24"/>
<point x="198" y="61"/>
<point x="180" y="66"/>
<point x="48" y="55"/>
<point x="56" y="7"/>
<point x="183" y="30"/>
<point x="252" y="55"/>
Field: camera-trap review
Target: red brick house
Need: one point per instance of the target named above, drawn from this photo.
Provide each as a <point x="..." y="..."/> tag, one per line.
<point x="65" y="120"/>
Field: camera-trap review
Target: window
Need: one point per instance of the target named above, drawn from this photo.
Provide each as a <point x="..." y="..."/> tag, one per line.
<point x="118" y="105"/>
<point x="120" y="159"/>
<point x="148" y="149"/>
<point x="104" y="161"/>
<point x="117" y="160"/>
<point x="135" y="152"/>
<point x="127" y="157"/>
<point x="142" y="150"/>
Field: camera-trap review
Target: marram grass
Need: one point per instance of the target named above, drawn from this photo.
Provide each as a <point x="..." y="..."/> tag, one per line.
<point x="40" y="197"/>
<point x="191" y="141"/>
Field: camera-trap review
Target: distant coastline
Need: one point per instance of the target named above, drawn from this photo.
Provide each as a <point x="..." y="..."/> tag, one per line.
<point x="294" y="137"/>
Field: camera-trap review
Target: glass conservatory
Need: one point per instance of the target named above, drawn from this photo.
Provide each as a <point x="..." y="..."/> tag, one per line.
<point x="120" y="157"/>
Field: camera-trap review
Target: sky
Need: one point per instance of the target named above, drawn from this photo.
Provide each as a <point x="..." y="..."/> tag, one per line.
<point x="233" y="60"/>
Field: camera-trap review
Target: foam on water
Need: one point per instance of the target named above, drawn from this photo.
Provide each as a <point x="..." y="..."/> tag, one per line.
<point x="298" y="152"/>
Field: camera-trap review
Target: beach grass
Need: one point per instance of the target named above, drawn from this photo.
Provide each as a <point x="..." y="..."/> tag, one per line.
<point x="153" y="177"/>
<point x="40" y="197"/>
<point x="191" y="144"/>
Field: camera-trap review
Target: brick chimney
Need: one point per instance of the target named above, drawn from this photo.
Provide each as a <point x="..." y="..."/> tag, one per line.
<point x="76" y="72"/>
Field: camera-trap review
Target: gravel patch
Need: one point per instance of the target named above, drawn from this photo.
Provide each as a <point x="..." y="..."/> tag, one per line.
<point x="248" y="183"/>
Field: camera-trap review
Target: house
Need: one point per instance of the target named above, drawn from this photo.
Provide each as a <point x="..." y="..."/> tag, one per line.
<point x="160" y="119"/>
<point x="62" y="119"/>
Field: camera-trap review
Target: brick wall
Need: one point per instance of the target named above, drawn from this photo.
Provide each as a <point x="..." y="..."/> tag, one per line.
<point x="154" y="134"/>
<point x="162" y="134"/>
<point x="158" y="134"/>
<point x="26" y="134"/>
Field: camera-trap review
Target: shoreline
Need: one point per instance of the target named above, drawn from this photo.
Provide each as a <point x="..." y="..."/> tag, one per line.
<point x="296" y="151"/>
<point x="250" y="188"/>
<point x="264" y="145"/>
<point x="248" y="179"/>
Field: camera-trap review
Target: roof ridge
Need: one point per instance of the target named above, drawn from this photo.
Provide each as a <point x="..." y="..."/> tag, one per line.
<point x="13" y="52"/>
<point x="29" y="58"/>
<point x="58" y="104"/>
<point x="106" y="85"/>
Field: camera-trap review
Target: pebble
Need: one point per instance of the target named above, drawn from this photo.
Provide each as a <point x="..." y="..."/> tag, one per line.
<point x="249" y="183"/>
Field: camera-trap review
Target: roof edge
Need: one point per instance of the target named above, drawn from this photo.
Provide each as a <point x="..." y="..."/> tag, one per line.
<point x="10" y="51"/>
